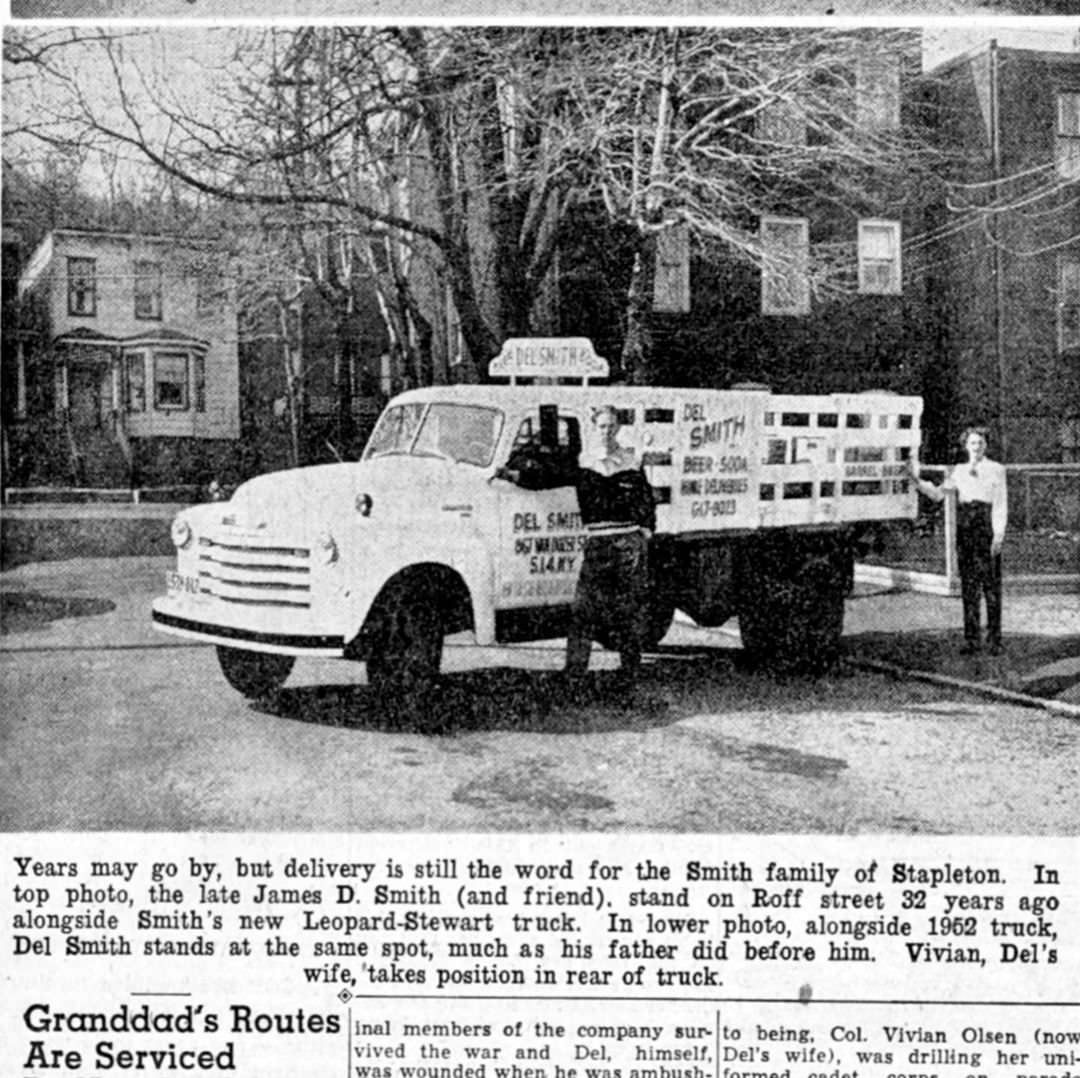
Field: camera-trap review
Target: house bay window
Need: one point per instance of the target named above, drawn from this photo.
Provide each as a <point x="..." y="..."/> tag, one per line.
<point x="82" y="286"/>
<point x="148" y="291"/>
<point x="162" y="379"/>
<point x="171" y="381"/>
<point x="879" y="258"/>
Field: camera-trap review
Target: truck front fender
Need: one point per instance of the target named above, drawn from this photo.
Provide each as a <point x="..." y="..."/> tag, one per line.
<point x="460" y="577"/>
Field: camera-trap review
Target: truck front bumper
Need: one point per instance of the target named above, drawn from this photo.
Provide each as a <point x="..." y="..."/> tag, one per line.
<point x="170" y="616"/>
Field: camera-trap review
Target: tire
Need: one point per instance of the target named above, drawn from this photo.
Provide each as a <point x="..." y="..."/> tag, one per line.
<point x="406" y="653"/>
<point x="790" y="598"/>
<point x="254" y="673"/>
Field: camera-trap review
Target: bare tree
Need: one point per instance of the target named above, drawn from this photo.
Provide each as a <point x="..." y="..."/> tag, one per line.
<point x="463" y="151"/>
<point x="424" y="145"/>
<point x="709" y="131"/>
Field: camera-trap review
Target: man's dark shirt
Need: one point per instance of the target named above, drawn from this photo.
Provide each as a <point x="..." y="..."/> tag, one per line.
<point x="617" y="502"/>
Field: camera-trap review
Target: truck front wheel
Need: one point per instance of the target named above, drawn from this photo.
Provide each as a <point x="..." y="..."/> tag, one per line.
<point x="791" y="603"/>
<point x="406" y="652"/>
<point x="254" y="673"/>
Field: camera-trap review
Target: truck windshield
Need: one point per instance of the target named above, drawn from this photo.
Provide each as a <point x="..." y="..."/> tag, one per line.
<point x="458" y="432"/>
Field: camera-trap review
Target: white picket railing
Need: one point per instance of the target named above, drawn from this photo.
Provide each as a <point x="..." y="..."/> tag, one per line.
<point x="104" y="495"/>
<point x="1022" y="516"/>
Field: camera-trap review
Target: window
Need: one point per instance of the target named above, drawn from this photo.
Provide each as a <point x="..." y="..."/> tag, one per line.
<point x="60" y="389"/>
<point x="879" y="258"/>
<point x="1070" y="440"/>
<point x="148" y="290"/>
<point x="1069" y="302"/>
<point x="1067" y="143"/>
<point x="509" y="99"/>
<point x="198" y="371"/>
<point x="386" y="374"/>
<point x="555" y="429"/>
<point x="455" y="432"/>
<point x="395" y="431"/>
<point x="545" y="451"/>
<point x="460" y="433"/>
<point x="170" y="381"/>
<point x="209" y="292"/>
<point x="785" y="279"/>
<point x="82" y="286"/>
<point x="877" y="92"/>
<point x="136" y="382"/>
<point x="455" y="337"/>
<point x="782" y="122"/>
<point x="671" y="283"/>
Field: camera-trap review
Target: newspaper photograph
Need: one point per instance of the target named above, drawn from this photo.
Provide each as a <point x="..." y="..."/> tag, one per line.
<point x="540" y="544"/>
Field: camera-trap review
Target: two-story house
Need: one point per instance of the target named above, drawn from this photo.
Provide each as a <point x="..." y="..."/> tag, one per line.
<point x="1001" y="253"/>
<point x="126" y="364"/>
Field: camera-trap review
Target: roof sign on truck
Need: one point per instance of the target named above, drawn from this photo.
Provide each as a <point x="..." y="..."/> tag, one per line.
<point x="548" y="358"/>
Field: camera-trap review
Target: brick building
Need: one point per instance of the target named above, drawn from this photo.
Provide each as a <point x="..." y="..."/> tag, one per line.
<point x="1001" y="253"/>
<point x="718" y="318"/>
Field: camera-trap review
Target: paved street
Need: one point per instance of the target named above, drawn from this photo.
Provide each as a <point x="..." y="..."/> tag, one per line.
<point x="108" y="725"/>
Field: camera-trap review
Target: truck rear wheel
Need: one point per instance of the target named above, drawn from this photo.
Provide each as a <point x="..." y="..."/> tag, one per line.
<point x="254" y="673"/>
<point x="791" y="603"/>
<point x="658" y="619"/>
<point x="406" y="652"/>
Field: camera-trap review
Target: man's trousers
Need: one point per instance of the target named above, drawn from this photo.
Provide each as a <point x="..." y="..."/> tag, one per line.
<point x="612" y="598"/>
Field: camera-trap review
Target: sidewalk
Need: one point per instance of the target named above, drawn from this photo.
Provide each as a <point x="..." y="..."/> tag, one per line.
<point x="923" y="632"/>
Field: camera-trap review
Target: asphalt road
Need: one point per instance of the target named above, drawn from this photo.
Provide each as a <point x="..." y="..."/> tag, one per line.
<point x="109" y="725"/>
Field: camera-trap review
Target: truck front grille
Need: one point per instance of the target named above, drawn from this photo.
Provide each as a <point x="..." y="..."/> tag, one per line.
<point x="244" y="571"/>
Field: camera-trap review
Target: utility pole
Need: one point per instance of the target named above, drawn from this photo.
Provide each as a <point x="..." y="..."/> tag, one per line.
<point x="999" y="254"/>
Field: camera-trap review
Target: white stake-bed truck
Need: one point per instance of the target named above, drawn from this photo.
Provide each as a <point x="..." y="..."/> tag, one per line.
<point x="461" y="515"/>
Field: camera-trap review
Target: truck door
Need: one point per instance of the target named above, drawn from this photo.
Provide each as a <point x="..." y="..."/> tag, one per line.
<point x="540" y="533"/>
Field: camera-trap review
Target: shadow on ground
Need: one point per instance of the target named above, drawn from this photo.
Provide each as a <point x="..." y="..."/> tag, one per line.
<point x="25" y="611"/>
<point x="677" y="683"/>
<point x="939" y="652"/>
<point x="495" y="699"/>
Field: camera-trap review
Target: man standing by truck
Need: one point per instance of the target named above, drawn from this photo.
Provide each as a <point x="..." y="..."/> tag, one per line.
<point x="619" y="516"/>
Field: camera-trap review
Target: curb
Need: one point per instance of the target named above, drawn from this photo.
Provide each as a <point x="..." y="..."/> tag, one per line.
<point x="995" y="692"/>
<point x="938" y="584"/>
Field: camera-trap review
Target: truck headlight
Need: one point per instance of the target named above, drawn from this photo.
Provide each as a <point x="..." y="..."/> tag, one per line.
<point x="326" y="548"/>
<point x="181" y="533"/>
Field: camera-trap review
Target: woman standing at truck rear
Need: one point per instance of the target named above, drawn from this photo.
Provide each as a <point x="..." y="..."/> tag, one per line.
<point x="982" y="513"/>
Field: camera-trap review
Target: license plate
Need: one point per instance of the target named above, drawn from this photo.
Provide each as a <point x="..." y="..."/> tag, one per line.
<point x="180" y="585"/>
